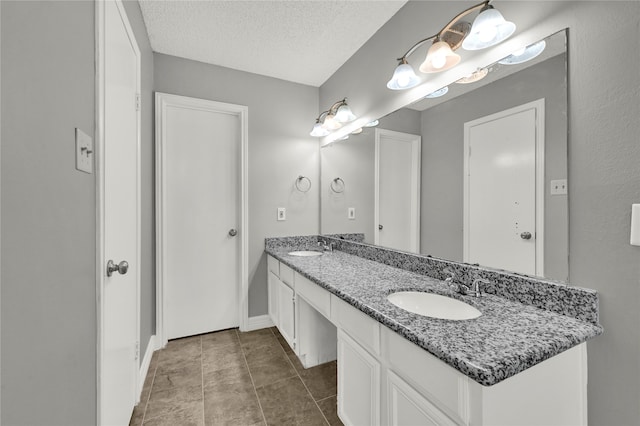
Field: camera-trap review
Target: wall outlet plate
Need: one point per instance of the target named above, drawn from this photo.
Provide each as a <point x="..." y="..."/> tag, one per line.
<point x="351" y="213"/>
<point x="282" y="213"/>
<point x="559" y="187"/>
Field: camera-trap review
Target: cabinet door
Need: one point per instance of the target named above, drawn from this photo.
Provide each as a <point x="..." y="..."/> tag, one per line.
<point x="286" y="313"/>
<point x="273" y="298"/>
<point x="406" y="407"/>
<point x="358" y="384"/>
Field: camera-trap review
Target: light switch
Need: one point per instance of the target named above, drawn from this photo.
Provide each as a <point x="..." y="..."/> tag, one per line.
<point x="84" y="152"/>
<point x="559" y="187"/>
<point x="282" y="213"/>
<point x="351" y="213"/>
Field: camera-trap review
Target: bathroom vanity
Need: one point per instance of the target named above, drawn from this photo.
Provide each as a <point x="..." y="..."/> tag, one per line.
<point x="522" y="361"/>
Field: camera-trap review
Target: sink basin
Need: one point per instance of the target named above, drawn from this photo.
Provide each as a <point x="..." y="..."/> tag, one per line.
<point x="433" y="305"/>
<point x="305" y="253"/>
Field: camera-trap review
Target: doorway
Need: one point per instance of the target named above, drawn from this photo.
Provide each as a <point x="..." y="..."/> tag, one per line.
<point x="397" y="183"/>
<point x="201" y="216"/>
<point x="504" y="190"/>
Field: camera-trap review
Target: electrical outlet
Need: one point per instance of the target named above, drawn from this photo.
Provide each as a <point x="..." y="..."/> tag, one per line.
<point x="559" y="187"/>
<point x="282" y="213"/>
<point x="351" y="213"/>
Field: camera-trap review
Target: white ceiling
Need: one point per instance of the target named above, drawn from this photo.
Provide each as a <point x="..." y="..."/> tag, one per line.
<point x="295" y="40"/>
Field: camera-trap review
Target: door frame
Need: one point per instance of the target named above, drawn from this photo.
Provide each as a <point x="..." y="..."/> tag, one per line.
<point x="99" y="148"/>
<point x="538" y="105"/>
<point x="416" y="147"/>
<point x="164" y="100"/>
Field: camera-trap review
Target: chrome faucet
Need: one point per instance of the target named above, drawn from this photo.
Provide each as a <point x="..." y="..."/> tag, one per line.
<point x="473" y="290"/>
<point x="324" y="246"/>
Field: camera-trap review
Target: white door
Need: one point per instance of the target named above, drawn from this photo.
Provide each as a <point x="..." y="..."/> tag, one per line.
<point x="121" y="215"/>
<point x="200" y="149"/>
<point x="504" y="189"/>
<point x="397" y="183"/>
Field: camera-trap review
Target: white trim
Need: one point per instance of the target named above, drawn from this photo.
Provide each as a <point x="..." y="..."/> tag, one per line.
<point x="163" y="100"/>
<point x="144" y="365"/>
<point x="416" y="149"/>
<point x="100" y="182"/>
<point x="259" y="322"/>
<point x="538" y="106"/>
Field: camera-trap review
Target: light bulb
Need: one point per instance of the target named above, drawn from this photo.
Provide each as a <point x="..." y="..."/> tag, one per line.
<point x="487" y="34"/>
<point x="438" y="61"/>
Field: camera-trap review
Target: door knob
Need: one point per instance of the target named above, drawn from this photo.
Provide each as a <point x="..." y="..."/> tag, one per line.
<point x="233" y="232"/>
<point x="121" y="267"/>
<point x="380" y="227"/>
<point x="525" y="235"/>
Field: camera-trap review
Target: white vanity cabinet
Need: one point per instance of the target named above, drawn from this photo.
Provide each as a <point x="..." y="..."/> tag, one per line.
<point x="281" y="286"/>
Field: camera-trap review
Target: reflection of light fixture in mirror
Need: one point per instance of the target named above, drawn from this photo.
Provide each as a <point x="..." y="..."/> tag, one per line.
<point x="344" y="138"/>
<point x="332" y="119"/>
<point x="439" y="58"/>
<point x="438" y="93"/>
<point x="373" y="123"/>
<point x="488" y="29"/>
<point x="477" y="75"/>
<point x="404" y="77"/>
<point x="525" y="54"/>
<point x="357" y="131"/>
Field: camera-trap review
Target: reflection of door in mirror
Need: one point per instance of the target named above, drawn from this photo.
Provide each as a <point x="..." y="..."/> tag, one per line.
<point x="397" y="190"/>
<point x="504" y="189"/>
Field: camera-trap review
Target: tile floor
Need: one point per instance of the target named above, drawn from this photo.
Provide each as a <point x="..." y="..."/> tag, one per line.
<point x="234" y="378"/>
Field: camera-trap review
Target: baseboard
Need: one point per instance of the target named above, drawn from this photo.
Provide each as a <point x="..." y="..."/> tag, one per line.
<point x="144" y="365"/>
<point x="261" y="321"/>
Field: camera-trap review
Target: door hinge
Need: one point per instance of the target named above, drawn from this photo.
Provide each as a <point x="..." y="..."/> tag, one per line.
<point x="137" y="101"/>
<point x="137" y="351"/>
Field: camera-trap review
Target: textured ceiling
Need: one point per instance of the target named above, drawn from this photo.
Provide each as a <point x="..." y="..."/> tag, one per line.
<point x="295" y="40"/>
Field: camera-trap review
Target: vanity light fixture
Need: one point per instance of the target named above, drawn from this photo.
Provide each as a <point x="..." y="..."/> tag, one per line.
<point x="477" y="75"/>
<point x="373" y="123"/>
<point x="489" y="28"/>
<point x="332" y="119"/>
<point x="438" y="93"/>
<point x="525" y="54"/>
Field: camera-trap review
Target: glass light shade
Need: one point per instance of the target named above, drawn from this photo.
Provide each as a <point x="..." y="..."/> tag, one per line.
<point x="438" y="93"/>
<point x="330" y="123"/>
<point x="524" y="55"/>
<point x="440" y="57"/>
<point x="344" y="138"/>
<point x="318" y="131"/>
<point x="488" y="29"/>
<point x="373" y="123"/>
<point x="357" y="131"/>
<point x="404" y="77"/>
<point x="474" y="76"/>
<point x="344" y="114"/>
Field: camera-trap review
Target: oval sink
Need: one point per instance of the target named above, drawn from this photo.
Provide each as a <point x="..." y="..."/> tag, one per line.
<point x="305" y="253"/>
<point x="433" y="305"/>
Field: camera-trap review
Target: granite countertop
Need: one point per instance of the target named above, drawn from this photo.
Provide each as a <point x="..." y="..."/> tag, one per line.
<point x="506" y="339"/>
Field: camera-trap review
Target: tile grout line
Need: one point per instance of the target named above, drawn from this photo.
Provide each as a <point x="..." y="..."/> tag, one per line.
<point x="300" y="377"/>
<point x="253" y="384"/>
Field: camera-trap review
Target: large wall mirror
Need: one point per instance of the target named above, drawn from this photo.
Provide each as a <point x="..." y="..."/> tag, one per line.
<point x="477" y="175"/>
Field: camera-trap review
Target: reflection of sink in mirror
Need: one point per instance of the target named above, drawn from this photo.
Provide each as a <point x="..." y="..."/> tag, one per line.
<point x="433" y="305"/>
<point x="440" y="203"/>
<point x="305" y="253"/>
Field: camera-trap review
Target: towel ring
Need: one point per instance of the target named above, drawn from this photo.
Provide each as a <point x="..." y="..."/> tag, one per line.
<point x="303" y="184"/>
<point x="337" y="185"/>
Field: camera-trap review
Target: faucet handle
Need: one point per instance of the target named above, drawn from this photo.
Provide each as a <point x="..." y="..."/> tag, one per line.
<point x="476" y="285"/>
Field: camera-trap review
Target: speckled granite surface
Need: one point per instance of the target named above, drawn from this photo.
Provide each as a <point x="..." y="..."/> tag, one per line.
<point x="508" y="338"/>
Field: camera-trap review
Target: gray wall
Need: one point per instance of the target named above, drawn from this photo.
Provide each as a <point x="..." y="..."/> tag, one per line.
<point x="48" y="215"/>
<point x="281" y="115"/>
<point x="442" y="160"/>
<point x="604" y="153"/>
<point x="147" y="153"/>
<point x="353" y="160"/>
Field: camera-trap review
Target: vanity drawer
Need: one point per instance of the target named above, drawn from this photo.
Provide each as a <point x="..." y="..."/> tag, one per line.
<point x="286" y="275"/>
<point x="315" y="295"/>
<point x="357" y="324"/>
<point x="441" y="384"/>
<point x="273" y="265"/>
